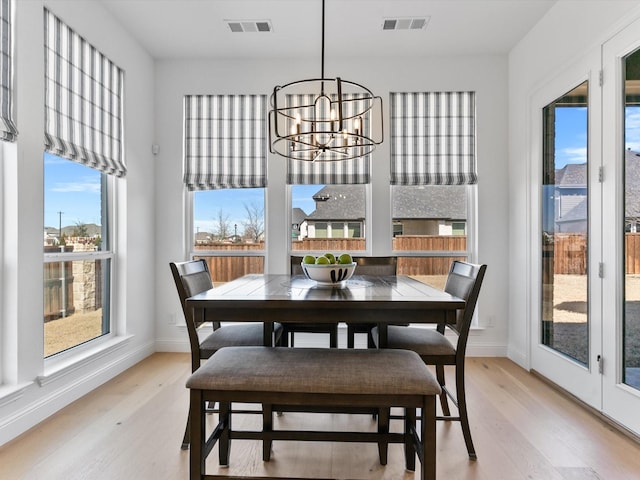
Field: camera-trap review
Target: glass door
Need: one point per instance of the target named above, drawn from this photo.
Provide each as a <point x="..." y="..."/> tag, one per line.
<point x="621" y="151"/>
<point x="566" y="328"/>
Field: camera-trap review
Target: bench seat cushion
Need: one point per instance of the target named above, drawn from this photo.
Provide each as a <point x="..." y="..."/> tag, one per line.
<point x="315" y="370"/>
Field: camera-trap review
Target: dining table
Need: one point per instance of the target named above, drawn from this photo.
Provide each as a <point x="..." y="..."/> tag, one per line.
<point x="381" y="300"/>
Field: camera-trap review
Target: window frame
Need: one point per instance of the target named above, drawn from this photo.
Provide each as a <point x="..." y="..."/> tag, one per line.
<point x="109" y="220"/>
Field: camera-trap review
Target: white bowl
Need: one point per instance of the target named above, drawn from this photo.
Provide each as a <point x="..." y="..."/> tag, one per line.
<point x="334" y="275"/>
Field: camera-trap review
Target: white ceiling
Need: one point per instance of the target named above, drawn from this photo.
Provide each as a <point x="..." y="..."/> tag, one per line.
<point x="197" y="28"/>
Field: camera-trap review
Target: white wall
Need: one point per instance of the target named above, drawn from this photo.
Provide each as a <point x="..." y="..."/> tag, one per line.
<point x="487" y="75"/>
<point x="572" y="29"/>
<point x="24" y="401"/>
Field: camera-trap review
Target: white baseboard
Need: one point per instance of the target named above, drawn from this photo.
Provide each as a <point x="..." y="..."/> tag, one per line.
<point x="52" y="398"/>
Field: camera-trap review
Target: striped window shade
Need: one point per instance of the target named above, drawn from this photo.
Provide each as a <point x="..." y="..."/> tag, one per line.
<point x="329" y="169"/>
<point x="225" y="141"/>
<point x="83" y="100"/>
<point x="433" y="138"/>
<point x="8" y="130"/>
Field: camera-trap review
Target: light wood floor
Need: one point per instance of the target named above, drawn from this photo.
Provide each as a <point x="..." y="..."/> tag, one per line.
<point x="131" y="428"/>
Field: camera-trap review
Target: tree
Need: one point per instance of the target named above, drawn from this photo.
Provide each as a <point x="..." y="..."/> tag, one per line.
<point x="223" y="225"/>
<point x="254" y="223"/>
<point x="80" y="230"/>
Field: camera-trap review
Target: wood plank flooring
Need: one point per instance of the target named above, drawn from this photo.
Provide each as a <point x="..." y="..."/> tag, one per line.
<point x="131" y="428"/>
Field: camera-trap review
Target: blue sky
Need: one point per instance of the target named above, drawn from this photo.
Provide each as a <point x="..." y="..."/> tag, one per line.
<point x="571" y="136"/>
<point x="207" y="204"/>
<point x="72" y="189"/>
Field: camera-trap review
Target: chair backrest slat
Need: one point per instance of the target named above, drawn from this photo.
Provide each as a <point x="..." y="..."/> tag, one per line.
<point x="464" y="281"/>
<point x="191" y="278"/>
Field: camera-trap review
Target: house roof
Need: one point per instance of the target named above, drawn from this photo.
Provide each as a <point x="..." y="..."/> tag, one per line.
<point x="339" y="202"/>
<point x="632" y="184"/>
<point x="346" y="202"/>
<point x="430" y="201"/>
<point x="298" y="215"/>
<point x="574" y="174"/>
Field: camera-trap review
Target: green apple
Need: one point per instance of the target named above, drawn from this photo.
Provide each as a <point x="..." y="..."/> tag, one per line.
<point x="344" y="259"/>
<point x="331" y="257"/>
<point x="322" y="260"/>
<point x="309" y="259"/>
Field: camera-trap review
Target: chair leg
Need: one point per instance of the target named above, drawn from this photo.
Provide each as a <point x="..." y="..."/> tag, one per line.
<point x="351" y="334"/>
<point x="409" y="448"/>
<point x="185" y="439"/>
<point x="443" y="396"/>
<point x="383" y="427"/>
<point x="333" y="337"/>
<point x="462" y="409"/>
<point x="371" y="343"/>
<point x="267" y="427"/>
<point x="428" y="438"/>
<point x="224" y="443"/>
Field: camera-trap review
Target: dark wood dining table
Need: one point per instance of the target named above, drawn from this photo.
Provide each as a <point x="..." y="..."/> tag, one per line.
<point x="381" y="300"/>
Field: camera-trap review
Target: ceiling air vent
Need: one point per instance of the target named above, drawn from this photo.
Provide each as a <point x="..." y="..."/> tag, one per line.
<point x="249" y="25"/>
<point x="418" y="23"/>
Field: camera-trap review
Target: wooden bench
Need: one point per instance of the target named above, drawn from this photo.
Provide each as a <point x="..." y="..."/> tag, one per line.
<point x="313" y="379"/>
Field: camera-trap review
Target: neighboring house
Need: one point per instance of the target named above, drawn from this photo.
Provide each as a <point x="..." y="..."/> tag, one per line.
<point x="429" y="210"/>
<point x="419" y="210"/>
<point x="570" y="196"/>
<point x="204" y="238"/>
<point x="632" y="191"/>
<point x="570" y="199"/>
<point x="339" y="213"/>
<point x="298" y="224"/>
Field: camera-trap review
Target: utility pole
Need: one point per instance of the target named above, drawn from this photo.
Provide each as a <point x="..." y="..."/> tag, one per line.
<point x="60" y="227"/>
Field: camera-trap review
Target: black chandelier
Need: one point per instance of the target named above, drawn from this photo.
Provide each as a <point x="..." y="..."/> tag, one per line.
<point x="324" y="119"/>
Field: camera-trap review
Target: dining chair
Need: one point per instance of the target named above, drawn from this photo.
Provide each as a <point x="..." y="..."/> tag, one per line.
<point x="191" y="278"/>
<point x="380" y="266"/>
<point x="463" y="281"/>
<point x="290" y="329"/>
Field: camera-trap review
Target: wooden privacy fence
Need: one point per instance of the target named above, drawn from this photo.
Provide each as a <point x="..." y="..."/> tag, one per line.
<point x="226" y="268"/>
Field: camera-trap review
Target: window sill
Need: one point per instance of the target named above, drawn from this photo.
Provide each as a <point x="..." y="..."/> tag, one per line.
<point x="59" y="369"/>
<point x="12" y="393"/>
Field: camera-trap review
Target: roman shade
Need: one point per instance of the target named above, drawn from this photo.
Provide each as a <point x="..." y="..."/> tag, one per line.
<point x="225" y="141"/>
<point x="330" y="169"/>
<point x="433" y="138"/>
<point x="83" y="100"/>
<point x="8" y="130"/>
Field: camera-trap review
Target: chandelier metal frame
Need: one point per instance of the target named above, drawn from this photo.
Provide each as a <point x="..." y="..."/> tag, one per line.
<point x="338" y="124"/>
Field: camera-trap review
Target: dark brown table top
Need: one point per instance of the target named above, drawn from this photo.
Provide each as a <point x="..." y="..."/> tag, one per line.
<point x="364" y="299"/>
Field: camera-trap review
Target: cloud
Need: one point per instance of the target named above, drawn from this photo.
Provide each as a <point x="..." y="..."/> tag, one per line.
<point x="573" y="154"/>
<point x="89" y="186"/>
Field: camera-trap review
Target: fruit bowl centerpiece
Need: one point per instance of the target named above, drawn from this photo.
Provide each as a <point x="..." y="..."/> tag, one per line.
<point x="327" y="270"/>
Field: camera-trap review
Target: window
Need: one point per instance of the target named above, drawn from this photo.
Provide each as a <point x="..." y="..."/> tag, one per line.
<point x="329" y="199"/>
<point x="83" y="157"/>
<point x="77" y="255"/>
<point x="433" y="170"/>
<point x="331" y="218"/>
<point x="225" y="168"/>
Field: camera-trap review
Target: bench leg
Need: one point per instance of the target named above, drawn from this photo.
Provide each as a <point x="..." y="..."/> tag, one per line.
<point x="267" y="427"/>
<point x="428" y="437"/>
<point x="409" y="448"/>
<point x="197" y="436"/>
<point x="224" y="443"/>
<point x="383" y="427"/>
